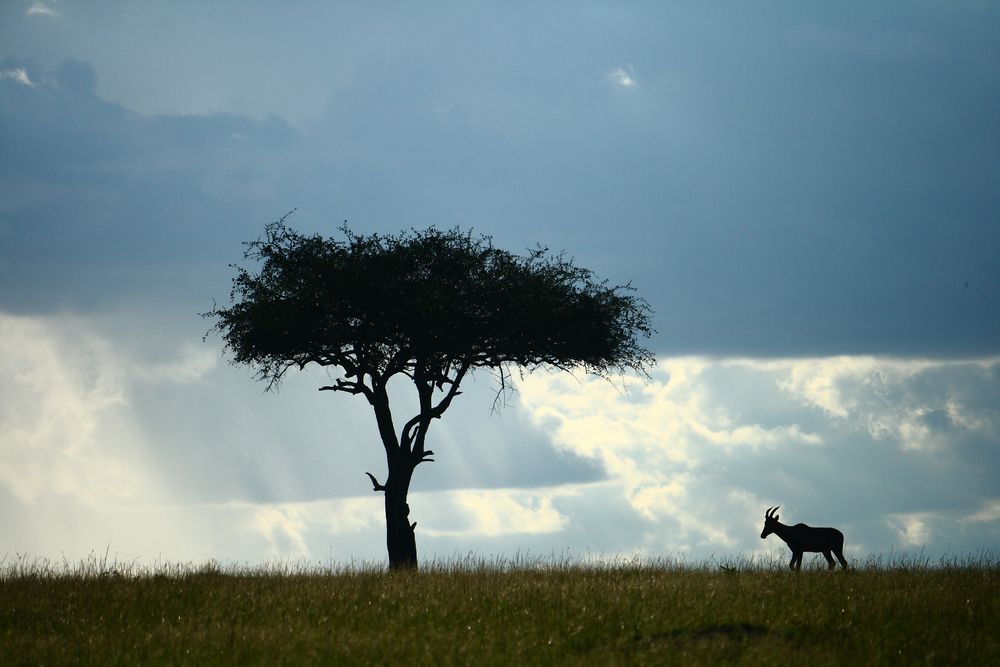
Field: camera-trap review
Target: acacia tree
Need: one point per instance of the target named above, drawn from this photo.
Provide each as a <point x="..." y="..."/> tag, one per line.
<point x="431" y="306"/>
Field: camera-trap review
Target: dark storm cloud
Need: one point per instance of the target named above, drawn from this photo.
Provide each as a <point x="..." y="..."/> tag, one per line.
<point x="811" y="184"/>
<point x="102" y="203"/>
<point x="796" y="182"/>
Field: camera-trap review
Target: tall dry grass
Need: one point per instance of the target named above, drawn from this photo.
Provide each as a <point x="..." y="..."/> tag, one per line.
<point x="500" y="611"/>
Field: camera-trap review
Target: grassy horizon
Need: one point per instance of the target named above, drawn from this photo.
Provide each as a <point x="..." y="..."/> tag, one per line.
<point x="500" y="611"/>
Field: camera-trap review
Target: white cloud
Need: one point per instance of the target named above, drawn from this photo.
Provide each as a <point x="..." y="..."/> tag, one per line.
<point x="61" y="385"/>
<point x="18" y="74"/>
<point x="874" y="394"/>
<point x="496" y="512"/>
<point x="989" y="512"/>
<point x="648" y="437"/>
<point x="283" y="528"/>
<point x="692" y="458"/>
<point x="623" y="77"/>
<point x="295" y="530"/>
<point x="41" y="9"/>
<point x="913" y="530"/>
<point x="651" y="434"/>
<point x="705" y="445"/>
<point x="65" y="422"/>
<point x="192" y="364"/>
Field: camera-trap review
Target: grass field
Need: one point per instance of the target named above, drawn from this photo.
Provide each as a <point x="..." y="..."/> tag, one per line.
<point x="501" y="613"/>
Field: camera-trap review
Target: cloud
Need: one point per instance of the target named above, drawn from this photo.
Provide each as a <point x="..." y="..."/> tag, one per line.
<point x="875" y="394"/>
<point x="77" y="77"/>
<point x="498" y="512"/>
<point x="989" y="513"/>
<point x="41" y="9"/>
<point x="95" y="190"/>
<point x="56" y="398"/>
<point x="817" y="219"/>
<point x="66" y="423"/>
<point x="18" y="74"/>
<point x="706" y="445"/>
<point x="623" y="77"/>
<point x="193" y="363"/>
<point x="283" y="528"/>
<point x="109" y="428"/>
<point x="912" y="530"/>
<point x="731" y="202"/>
<point x="103" y="441"/>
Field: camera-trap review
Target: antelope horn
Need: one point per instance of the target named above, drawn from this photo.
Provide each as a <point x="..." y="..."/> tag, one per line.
<point x="767" y="514"/>
<point x="775" y="510"/>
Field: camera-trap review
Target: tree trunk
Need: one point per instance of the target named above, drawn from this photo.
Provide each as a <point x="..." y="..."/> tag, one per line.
<point x="400" y="541"/>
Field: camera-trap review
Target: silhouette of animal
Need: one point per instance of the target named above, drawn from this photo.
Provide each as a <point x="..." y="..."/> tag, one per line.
<point x="801" y="538"/>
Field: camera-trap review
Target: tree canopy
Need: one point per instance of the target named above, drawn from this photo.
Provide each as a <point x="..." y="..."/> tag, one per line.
<point x="442" y="300"/>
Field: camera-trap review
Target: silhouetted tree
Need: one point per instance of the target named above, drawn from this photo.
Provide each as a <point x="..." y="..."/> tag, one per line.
<point x="429" y="305"/>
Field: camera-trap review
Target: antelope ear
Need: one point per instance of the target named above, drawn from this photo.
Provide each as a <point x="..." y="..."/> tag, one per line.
<point x="775" y="517"/>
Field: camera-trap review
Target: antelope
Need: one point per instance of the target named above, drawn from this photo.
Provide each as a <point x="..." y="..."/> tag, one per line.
<point x="801" y="538"/>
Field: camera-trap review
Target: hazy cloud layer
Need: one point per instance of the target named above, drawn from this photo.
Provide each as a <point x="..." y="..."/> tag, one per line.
<point x="101" y="443"/>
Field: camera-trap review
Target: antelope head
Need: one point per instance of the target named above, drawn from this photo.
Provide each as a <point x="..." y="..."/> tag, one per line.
<point x="770" y="521"/>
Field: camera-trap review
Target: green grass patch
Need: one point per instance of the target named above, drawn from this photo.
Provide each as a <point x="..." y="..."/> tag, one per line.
<point x="500" y="613"/>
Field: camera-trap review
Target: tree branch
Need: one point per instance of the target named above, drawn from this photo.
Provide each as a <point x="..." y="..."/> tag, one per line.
<point x="375" y="485"/>
<point x="502" y="391"/>
<point x="452" y="391"/>
<point x="350" y="388"/>
<point x="428" y="413"/>
<point x="407" y="438"/>
<point x="383" y="417"/>
<point x="398" y="363"/>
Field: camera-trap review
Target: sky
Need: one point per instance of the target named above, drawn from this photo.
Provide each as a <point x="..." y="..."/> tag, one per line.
<point x="805" y="193"/>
